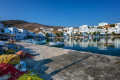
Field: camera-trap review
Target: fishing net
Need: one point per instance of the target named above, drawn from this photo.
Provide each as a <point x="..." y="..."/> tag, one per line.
<point x="10" y="59"/>
<point x="23" y="54"/>
<point x="29" y="76"/>
<point x="8" y="69"/>
<point x="9" y="51"/>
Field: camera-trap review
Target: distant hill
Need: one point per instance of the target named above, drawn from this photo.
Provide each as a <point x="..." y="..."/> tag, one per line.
<point x="27" y="25"/>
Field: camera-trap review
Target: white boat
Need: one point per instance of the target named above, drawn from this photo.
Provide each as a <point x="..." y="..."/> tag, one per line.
<point x="81" y="37"/>
<point x="2" y="43"/>
<point x="39" y="42"/>
<point x="28" y="41"/>
<point x="56" y="43"/>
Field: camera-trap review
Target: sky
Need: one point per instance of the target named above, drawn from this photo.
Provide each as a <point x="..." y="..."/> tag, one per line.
<point x="66" y="13"/>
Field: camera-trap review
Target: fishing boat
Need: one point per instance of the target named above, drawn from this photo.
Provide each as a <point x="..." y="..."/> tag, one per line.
<point x="28" y="41"/>
<point x="82" y="37"/>
<point x="56" y="44"/>
<point x="39" y="42"/>
<point x="2" y="43"/>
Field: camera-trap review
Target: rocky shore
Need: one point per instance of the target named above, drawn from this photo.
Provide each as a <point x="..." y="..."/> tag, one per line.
<point x="61" y="64"/>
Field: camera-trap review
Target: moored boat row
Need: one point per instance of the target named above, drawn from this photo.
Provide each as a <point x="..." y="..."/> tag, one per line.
<point x="37" y="41"/>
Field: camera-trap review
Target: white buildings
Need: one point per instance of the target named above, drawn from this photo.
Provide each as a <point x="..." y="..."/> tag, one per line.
<point x="115" y="29"/>
<point x="117" y="25"/>
<point x="41" y="35"/>
<point x="48" y="30"/>
<point x="51" y="34"/>
<point x="66" y="29"/>
<point x="15" y="32"/>
<point x="70" y="31"/>
<point x="84" y="28"/>
<point x="23" y="33"/>
<point x="31" y="34"/>
<point x="75" y="31"/>
<point x="102" y="24"/>
<point x="42" y="28"/>
<point x="103" y="31"/>
<point x="60" y="30"/>
<point x="18" y="33"/>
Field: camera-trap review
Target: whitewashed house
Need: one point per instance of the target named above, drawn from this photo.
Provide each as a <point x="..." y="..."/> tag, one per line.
<point x="75" y="31"/>
<point x="51" y="34"/>
<point x="60" y="30"/>
<point x="93" y="29"/>
<point x="42" y="28"/>
<point x="102" y="24"/>
<point x="84" y="28"/>
<point x="104" y="31"/>
<point x="115" y="29"/>
<point x="31" y="34"/>
<point x="40" y="34"/>
<point x="117" y="25"/>
<point x="14" y="31"/>
<point x="66" y="29"/>
<point x="110" y="30"/>
<point x="70" y="31"/>
<point x="48" y="30"/>
<point x="23" y="33"/>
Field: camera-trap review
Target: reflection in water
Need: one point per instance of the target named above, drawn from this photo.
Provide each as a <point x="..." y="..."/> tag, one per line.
<point x="100" y="43"/>
<point x="105" y="45"/>
<point x="108" y="46"/>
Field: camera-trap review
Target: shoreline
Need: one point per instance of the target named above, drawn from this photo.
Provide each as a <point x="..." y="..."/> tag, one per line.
<point x="63" y="64"/>
<point x="116" y="36"/>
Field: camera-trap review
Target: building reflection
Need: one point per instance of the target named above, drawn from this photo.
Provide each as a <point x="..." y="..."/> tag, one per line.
<point x="101" y="43"/>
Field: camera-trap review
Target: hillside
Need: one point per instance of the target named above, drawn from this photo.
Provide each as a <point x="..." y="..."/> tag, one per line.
<point x="27" y="25"/>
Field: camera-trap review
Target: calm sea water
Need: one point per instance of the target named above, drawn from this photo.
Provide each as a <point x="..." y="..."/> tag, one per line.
<point x="107" y="46"/>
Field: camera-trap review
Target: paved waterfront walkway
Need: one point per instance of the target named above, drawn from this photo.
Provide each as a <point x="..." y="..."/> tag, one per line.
<point x="62" y="64"/>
